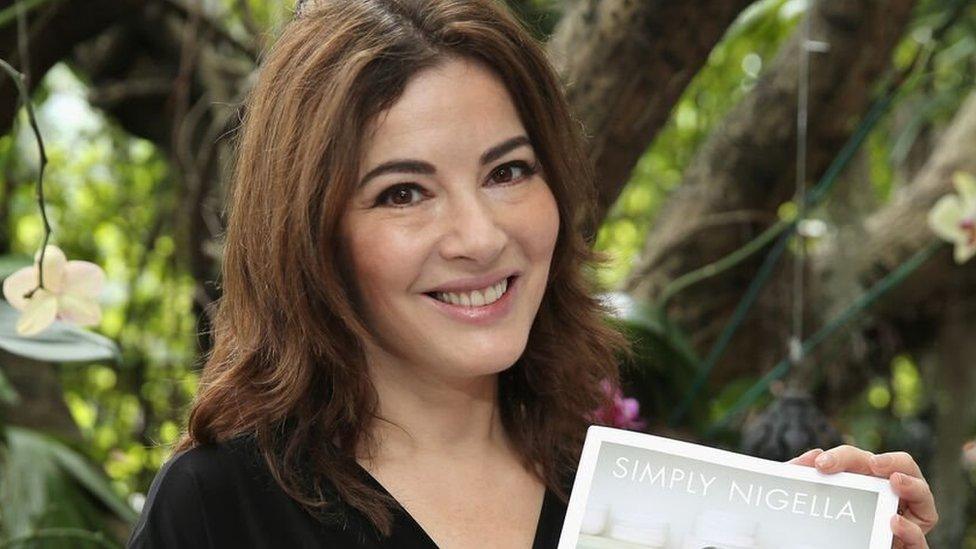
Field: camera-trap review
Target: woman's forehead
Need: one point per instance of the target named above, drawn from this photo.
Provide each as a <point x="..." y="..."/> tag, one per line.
<point x="458" y="104"/>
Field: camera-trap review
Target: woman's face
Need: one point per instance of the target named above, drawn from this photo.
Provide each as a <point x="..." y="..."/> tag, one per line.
<point x="450" y="209"/>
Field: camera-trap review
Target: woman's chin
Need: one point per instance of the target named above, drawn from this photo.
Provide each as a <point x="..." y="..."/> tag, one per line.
<point x="466" y="367"/>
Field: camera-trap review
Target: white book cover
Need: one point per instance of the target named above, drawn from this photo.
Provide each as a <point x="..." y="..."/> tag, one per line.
<point x="635" y="490"/>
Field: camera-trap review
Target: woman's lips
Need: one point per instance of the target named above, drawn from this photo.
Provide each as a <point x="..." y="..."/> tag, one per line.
<point x="485" y="314"/>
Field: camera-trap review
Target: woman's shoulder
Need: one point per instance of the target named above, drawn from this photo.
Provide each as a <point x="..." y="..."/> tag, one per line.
<point x="209" y="470"/>
<point x="210" y="495"/>
<point x="217" y="461"/>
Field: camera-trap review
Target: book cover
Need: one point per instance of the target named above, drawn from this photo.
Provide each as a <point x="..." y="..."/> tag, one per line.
<point x="634" y="490"/>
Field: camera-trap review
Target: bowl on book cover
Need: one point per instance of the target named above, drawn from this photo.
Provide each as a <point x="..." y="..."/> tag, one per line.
<point x="722" y="530"/>
<point x="643" y="528"/>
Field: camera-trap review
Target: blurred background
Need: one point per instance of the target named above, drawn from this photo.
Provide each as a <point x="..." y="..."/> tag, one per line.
<point x="765" y="170"/>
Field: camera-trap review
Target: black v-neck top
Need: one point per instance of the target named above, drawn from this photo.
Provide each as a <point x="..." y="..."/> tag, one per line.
<point x="223" y="495"/>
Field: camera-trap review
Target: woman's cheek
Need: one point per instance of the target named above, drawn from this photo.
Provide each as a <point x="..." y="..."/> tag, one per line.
<point x="541" y="217"/>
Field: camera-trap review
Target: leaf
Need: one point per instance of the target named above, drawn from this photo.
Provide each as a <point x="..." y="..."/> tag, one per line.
<point x="61" y="342"/>
<point x="44" y="484"/>
<point x="8" y="395"/>
<point x="664" y="364"/>
<point x="91" y="478"/>
<point x="641" y="318"/>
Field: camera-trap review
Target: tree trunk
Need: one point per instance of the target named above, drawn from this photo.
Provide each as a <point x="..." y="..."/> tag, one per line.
<point x="954" y="384"/>
<point x="747" y="164"/>
<point x="624" y="65"/>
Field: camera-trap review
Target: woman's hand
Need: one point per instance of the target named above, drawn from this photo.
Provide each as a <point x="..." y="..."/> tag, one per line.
<point x="916" y="506"/>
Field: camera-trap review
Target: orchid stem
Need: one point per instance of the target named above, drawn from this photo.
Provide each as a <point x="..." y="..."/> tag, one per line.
<point x="18" y="79"/>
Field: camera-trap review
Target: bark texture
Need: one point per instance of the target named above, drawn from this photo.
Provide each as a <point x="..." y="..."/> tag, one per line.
<point x="747" y="165"/>
<point x="625" y="63"/>
<point x="954" y="381"/>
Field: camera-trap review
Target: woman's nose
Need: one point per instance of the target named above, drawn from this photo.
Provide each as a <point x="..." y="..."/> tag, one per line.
<point x="473" y="230"/>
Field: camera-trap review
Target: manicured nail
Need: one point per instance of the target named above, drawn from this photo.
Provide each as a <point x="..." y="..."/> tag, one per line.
<point x="881" y="460"/>
<point x="826" y="460"/>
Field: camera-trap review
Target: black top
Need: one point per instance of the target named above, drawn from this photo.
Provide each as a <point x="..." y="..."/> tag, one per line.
<point x="223" y="495"/>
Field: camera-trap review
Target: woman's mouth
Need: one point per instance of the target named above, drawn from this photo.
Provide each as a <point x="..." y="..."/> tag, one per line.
<point x="476" y="298"/>
<point x="478" y="306"/>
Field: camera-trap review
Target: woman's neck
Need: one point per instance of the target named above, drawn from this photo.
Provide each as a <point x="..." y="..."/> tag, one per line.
<point x="423" y="414"/>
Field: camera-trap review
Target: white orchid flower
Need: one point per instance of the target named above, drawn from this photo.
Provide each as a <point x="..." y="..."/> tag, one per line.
<point x="70" y="292"/>
<point x="954" y="217"/>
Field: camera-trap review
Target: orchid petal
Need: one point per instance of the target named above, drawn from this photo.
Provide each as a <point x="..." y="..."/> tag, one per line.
<point x="79" y="310"/>
<point x="18" y="284"/>
<point x="945" y="216"/>
<point x="965" y="184"/>
<point x="964" y="252"/>
<point x="629" y="407"/>
<point x="54" y="263"/>
<point x="83" y="278"/>
<point x="39" y="314"/>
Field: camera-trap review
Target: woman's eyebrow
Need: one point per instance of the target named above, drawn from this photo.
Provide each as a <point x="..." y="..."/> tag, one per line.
<point x="422" y="167"/>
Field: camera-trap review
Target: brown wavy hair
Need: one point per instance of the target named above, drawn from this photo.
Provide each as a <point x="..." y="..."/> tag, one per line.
<point x="287" y="366"/>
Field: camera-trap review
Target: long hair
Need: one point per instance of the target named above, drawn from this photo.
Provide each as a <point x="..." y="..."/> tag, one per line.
<point x="287" y="366"/>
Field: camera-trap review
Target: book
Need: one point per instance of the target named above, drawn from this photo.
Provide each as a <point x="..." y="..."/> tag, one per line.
<point x="634" y="490"/>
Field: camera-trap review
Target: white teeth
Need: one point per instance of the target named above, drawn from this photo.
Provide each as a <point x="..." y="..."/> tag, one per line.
<point x="491" y="294"/>
<point x="476" y="298"/>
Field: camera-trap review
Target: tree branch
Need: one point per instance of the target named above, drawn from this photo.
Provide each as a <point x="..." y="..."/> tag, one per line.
<point x="625" y="64"/>
<point x="745" y="162"/>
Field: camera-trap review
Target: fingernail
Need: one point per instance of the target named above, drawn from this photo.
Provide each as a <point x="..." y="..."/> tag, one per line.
<point x="825" y="460"/>
<point x="881" y="460"/>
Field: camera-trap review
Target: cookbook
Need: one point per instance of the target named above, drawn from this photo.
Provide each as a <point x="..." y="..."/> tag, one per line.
<point x="639" y="491"/>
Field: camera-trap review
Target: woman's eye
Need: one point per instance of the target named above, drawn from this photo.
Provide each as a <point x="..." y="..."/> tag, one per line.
<point x="520" y="169"/>
<point x="399" y="196"/>
<point x="402" y="195"/>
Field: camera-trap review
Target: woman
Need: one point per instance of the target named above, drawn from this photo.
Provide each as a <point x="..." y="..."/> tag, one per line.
<point x="406" y="351"/>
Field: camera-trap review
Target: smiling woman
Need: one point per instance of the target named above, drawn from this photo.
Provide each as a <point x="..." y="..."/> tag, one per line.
<point x="471" y="222"/>
<point x="406" y="351"/>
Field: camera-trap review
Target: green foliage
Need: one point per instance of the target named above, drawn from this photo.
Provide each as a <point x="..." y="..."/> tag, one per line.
<point x="111" y="200"/>
<point x="245" y="17"/>
<point x="46" y="484"/>
<point x="888" y="414"/>
<point x="929" y="100"/>
<point x="664" y="363"/>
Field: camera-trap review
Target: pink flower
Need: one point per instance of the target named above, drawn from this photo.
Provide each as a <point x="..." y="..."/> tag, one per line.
<point x="622" y="413"/>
